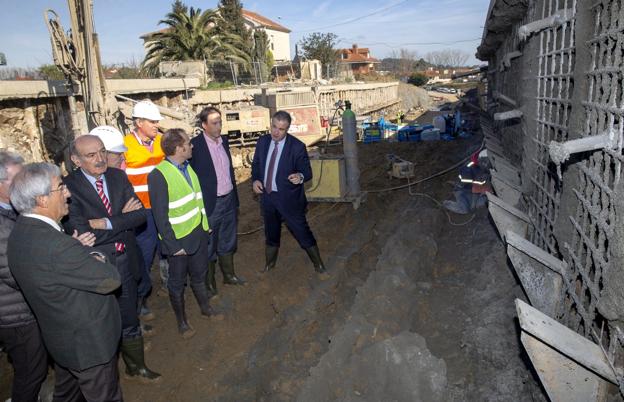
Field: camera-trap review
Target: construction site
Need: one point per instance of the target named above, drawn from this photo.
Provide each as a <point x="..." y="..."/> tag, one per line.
<point x="520" y="299"/>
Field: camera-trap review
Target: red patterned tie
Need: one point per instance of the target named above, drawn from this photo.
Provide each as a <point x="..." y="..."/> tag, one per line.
<point x="99" y="187"/>
<point x="269" y="179"/>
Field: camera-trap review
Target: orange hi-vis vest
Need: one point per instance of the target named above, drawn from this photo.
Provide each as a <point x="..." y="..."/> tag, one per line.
<point x="140" y="162"/>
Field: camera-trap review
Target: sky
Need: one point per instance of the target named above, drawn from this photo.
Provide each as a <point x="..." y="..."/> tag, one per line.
<point x="385" y="27"/>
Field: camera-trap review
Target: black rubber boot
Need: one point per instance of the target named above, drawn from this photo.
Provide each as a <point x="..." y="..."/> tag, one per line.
<point x="133" y="355"/>
<point x="203" y="300"/>
<point x="184" y="328"/>
<point x="226" y="262"/>
<point x="211" y="282"/>
<point x="270" y="253"/>
<point x="315" y="257"/>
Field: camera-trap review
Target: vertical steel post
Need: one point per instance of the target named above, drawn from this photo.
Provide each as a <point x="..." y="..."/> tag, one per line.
<point x="349" y="143"/>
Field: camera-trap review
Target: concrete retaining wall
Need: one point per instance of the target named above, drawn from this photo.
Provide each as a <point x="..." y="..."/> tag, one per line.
<point x="35" y="118"/>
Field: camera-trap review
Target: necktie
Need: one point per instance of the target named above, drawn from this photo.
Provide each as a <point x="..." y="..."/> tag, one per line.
<point x="99" y="187"/>
<point x="269" y="179"/>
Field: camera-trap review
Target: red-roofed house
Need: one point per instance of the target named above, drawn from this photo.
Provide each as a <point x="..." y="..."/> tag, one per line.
<point x="279" y="35"/>
<point x="358" y="59"/>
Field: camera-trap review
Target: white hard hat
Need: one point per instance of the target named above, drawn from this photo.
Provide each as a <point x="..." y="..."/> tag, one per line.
<point x="111" y="137"/>
<point x="146" y="110"/>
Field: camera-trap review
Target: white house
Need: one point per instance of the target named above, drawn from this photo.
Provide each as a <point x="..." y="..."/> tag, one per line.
<point x="279" y="36"/>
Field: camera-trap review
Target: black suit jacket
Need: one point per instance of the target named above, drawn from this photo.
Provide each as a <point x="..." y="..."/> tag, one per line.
<point x="69" y="291"/>
<point x="294" y="159"/>
<point x="85" y="204"/>
<point x="204" y="167"/>
<point x="159" y="198"/>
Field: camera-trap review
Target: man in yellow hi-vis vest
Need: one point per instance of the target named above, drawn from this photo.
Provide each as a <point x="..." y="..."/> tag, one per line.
<point x="182" y="225"/>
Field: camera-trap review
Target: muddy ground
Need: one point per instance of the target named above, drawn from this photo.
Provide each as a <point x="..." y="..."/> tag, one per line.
<point x="419" y="306"/>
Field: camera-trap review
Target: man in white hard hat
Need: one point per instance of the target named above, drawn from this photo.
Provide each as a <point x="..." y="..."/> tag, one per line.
<point x="113" y="141"/>
<point x="143" y="155"/>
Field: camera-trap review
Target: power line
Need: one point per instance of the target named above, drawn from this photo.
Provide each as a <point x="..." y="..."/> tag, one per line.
<point x="398" y="45"/>
<point x="354" y="19"/>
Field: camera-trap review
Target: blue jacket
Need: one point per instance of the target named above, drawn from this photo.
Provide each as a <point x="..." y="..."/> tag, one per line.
<point x="294" y="159"/>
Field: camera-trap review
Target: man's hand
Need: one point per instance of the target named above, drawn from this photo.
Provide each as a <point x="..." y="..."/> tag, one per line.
<point x="132" y="205"/>
<point x="98" y="223"/>
<point x="86" y="239"/>
<point x="295" y="178"/>
<point x="257" y="186"/>
<point x="181" y="252"/>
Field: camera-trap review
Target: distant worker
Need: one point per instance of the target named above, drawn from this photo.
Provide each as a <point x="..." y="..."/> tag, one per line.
<point x="19" y="332"/>
<point x="280" y="167"/>
<point x="113" y="141"/>
<point x="182" y="223"/>
<point x="213" y="164"/>
<point x="474" y="182"/>
<point x="143" y="155"/>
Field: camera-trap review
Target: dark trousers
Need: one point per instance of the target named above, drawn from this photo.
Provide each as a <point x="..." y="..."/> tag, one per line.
<point x="223" y="222"/>
<point x="95" y="384"/>
<point x="147" y="240"/>
<point x="127" y="299"/>
<point x="30" y="360"/>
<point x="194" y="265"/>
<point x="274" y="213"/>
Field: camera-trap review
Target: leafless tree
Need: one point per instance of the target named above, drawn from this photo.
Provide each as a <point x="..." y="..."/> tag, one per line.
<point x="406" y="60"/>
<point x="447" y="58"/>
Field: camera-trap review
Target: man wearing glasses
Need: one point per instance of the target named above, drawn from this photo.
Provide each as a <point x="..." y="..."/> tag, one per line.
<point x="68" y="286"/>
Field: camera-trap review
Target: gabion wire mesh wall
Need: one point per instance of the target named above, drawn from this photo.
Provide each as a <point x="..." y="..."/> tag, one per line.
<point x="554" y="93"/>
<point x="593" y="181"/>
<point x="597" y="185"/>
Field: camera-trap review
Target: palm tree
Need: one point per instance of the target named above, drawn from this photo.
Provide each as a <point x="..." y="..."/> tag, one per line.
<point x="191" y="36"/>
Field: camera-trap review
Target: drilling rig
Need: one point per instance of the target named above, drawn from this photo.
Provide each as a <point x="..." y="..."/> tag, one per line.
<point x="77" y="54"/>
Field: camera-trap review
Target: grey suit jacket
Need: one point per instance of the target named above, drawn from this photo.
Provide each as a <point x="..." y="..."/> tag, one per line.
<point x="69" y="291"/>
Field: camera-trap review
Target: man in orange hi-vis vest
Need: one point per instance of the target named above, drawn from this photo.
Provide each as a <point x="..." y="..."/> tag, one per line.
<point x="142" y="156"/>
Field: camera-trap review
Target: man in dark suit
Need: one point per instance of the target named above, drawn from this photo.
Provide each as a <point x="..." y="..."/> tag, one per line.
<point x="280" y="167"/>
<point x="68" y="286"/>
<point x="182" y="225"/>
<point x="212" y="162"/>
<point x="103" y="202"/>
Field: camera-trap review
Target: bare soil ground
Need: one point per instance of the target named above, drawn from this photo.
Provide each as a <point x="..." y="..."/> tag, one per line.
<point x="419" y="306"/>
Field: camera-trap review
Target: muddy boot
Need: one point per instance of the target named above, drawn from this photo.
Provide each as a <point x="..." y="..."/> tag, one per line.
<point x="184" y="328"/>
<point x="270" y="252"/>
<point x="133" y="355"/>
<point x="201" y="295"/>
<point x="211" y="283"/>
<point x="315" y="257"/>
<point x="226" y="262"/>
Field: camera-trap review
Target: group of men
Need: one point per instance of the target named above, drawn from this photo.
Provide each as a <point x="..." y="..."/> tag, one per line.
<point x="76" y="252"/>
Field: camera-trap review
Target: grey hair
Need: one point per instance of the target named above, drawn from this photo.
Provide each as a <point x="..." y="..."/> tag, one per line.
<point x="8" y="158"/>
<point x="34" y="180"/>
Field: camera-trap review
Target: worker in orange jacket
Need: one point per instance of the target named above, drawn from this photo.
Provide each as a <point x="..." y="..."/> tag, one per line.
<point x="143" y="154"/>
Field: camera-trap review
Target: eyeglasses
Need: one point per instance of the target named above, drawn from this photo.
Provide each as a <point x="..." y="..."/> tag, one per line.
<point x="61" y="187"/>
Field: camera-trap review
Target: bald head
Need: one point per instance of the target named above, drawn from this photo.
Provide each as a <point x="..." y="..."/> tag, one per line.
<point x="89" y="154"/>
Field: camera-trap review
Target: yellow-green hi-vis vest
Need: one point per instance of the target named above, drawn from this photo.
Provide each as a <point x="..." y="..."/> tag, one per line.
<point x="186" y="206"/>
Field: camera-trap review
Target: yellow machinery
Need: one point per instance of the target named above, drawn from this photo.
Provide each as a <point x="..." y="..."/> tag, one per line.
<point x="245" y="125"/>
<point x="328" y="179"/>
